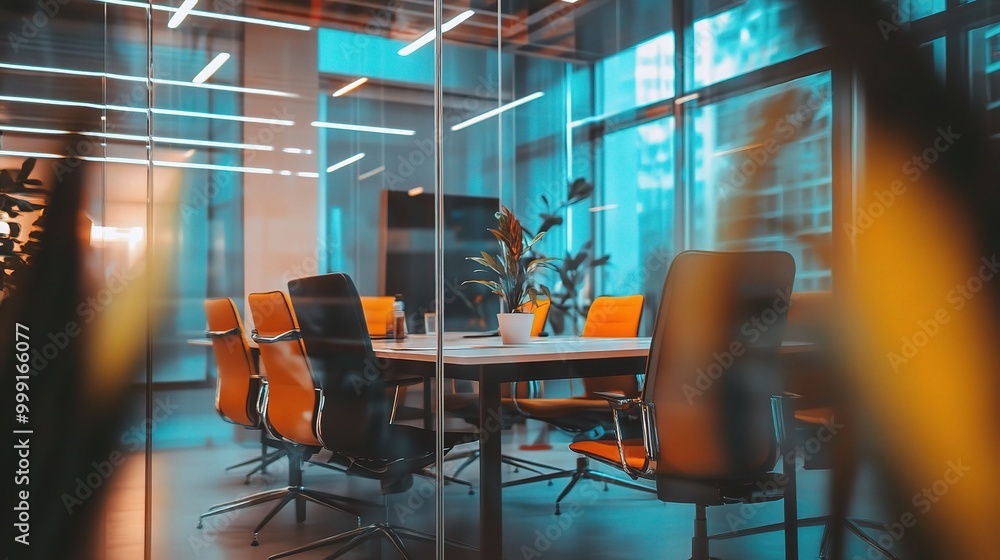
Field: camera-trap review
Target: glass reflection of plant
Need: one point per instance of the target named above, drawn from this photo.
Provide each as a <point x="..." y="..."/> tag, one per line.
<point x="568" y="305"/>
<point x="14" y="253"/>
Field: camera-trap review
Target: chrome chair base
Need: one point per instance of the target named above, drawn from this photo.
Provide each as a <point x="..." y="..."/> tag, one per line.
<point x="429" y="473"/>
<point x="284" y="496"/>
<point x="516" y="462"/>
<point x="265" y="459"/>
<point x="356" y="537"/>
<point x="852" y="524"/>
<point x="583" y="471"/>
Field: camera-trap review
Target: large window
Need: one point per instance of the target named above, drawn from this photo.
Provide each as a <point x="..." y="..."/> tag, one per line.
<point x="761" y="175"/>
<point x="638" y="76"/>
<point x="984" y="75"/>
<point x="637" y="210"/>
<point x="747" y="36"/>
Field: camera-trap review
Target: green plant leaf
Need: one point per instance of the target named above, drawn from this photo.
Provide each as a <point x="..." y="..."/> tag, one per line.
<point x="579" y="190"/>
<point x="7" y="183"/>
<point x="26" y="168"/>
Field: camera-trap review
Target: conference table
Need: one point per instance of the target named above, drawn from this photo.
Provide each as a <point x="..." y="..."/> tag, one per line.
<point x="491" y="363"/>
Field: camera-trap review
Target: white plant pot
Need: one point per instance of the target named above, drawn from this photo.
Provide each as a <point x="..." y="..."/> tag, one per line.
<point x="515" y="328"/>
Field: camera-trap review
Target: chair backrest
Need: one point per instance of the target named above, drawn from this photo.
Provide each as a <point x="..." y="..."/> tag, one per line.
<point x="713" y="362"/>
<point x="613" y="317"/>
<point x="292" y="402"/>
<point x="541" y="312"/>
<point x="355" y="415"/>
<point x="236" y="391"/>
<point x="378" y="313"/>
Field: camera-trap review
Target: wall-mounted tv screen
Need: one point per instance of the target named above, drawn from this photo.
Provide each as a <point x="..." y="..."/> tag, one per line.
<point x="407" y="264"/>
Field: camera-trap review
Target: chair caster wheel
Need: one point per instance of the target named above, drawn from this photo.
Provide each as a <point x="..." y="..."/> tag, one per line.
<point x="254" y="541"/>
<point x="472" y="492"/>
<point x="550" y="483"/>
<point x="247" y="480"/>
<point x="605" y="486"/>
<point x="557" y="511"/>
<point x="517" y="470"/>
<point x="200" y="524"/>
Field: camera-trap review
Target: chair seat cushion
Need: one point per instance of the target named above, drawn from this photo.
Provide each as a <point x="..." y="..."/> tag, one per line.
<point x="408" y="449"/>
<point x="606" y="451"/>
<point x="819" y="415"/>
<point x="544" y="409"/>
<point x="683" y="489"/>
<point x="466" y="407"/>
<point x="764" y="487"/>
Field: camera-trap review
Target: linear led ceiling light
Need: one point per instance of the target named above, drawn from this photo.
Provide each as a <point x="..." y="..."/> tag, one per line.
<point x="142" y="79"/>
<point x="497" y="111"/>
<point x="181" y="13"/>
<point x="211" y="68"/>
<point x="363" y="128"/>
<point x="135" y="161"/>
<point x="350" y="87"/>
<point x="371" y="173"/>
<point x="345" y="163"/>
<point x="212" y="15"/>
<point x="140" y="138"/>
<point x="429" y="36"/>
<point x="199" y="115"/>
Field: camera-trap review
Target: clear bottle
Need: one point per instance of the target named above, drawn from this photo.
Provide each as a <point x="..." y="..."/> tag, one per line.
<point x="398" y="318"/>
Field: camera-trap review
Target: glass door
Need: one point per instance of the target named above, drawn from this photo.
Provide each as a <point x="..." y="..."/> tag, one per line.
<point x="75" y="253"/>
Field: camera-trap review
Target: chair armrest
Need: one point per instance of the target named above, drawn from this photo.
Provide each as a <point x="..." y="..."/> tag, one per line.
<point x="287" y="335"/>
<point x="783" y="413"/>
<point x="647" y="417"/>
<point x="403" y="381"/>
<point x="618" y="401"/>
<point x="220" y="334"/>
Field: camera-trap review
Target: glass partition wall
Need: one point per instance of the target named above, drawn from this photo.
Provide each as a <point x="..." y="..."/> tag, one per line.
<point x="75" y="252"/>
<point x="222" y="149"/>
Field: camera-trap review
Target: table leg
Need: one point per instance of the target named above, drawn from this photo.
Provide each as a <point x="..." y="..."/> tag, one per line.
<point x="490" y="489"/>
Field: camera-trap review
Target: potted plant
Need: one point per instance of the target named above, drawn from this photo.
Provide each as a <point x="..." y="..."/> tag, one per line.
<point x="514" y="269"/>
<point x="14" y="252"/>
<point x="569" y="302"/>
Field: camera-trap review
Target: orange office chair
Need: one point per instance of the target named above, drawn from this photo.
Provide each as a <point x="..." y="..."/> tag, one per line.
<point x="716" y="444"/>
<point x="378" y="313"/>
<point x="239" y="389"/>
<point x="608" y="317"/>
<point x="289" y="413"/>
<point x="541" y="312"/>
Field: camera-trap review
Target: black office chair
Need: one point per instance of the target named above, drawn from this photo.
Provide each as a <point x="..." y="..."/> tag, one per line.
<point x="354" y="423"/>
<point x="713" y="442"/>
